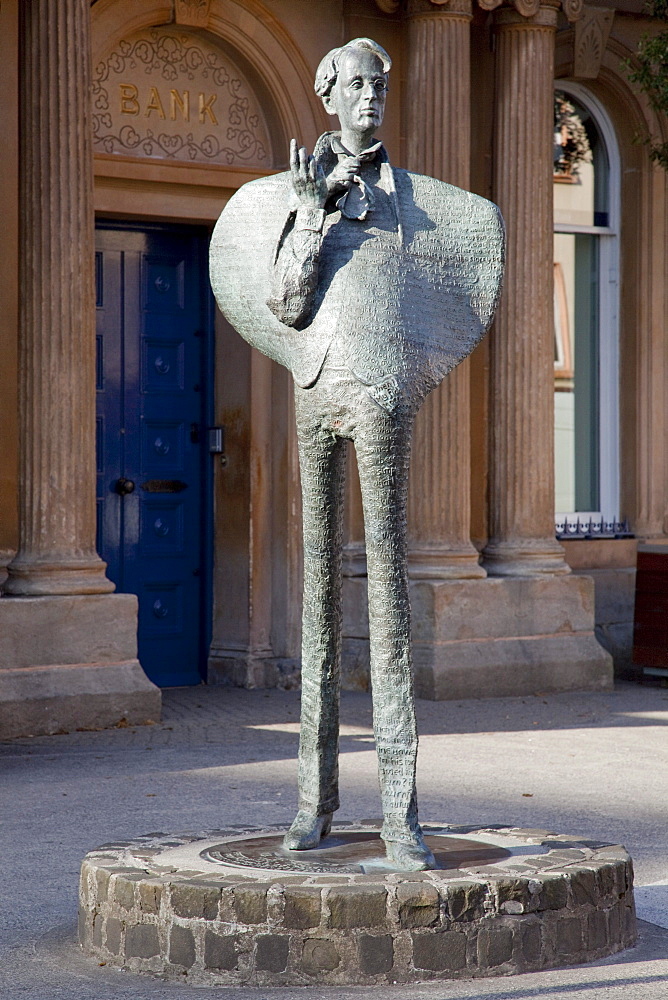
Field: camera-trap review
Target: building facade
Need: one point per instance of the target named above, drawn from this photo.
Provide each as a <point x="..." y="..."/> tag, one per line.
<point x="149" y="487"/>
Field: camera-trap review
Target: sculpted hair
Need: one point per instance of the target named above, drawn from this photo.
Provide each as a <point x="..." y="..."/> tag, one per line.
<point x="328" y="70"/>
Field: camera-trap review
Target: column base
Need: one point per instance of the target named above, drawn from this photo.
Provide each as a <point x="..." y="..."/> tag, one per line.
<point x="490" y="638"/>
<point x="71" y="663"/>
<point x="354" y="559"/>
<point x="244" y="669"/>
<point x="429" y="563"/>
<point x="445" y="563"/>
<point x="6" y="556"/>
<point x="27" y="578"/>
<point x="543" y="556"/>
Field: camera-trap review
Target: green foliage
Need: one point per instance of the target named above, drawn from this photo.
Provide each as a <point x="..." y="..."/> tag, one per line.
<point x="570" y="137"/>
<point x="651" y="74"/>
<point x="658" y="8"/>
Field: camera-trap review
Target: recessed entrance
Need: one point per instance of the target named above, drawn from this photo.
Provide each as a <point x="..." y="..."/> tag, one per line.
<point x="154" y="377"/>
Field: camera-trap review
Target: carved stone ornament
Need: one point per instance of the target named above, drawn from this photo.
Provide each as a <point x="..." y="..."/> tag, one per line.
<point x="415" y="8"/>
<point x="573" y="9"/>
<point x="591" y="37"/>
<point x="392" y="6"/>
<point x="168" y="94"/>
<point x="527" y="8"/>
<point x="192" y="12"/>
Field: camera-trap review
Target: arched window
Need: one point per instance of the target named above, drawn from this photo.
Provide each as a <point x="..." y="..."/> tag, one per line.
<point x="586" y="284"/>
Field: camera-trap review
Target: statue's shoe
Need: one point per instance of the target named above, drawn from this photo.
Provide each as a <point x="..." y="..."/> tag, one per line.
<point x="307" y="831"/>
<point x="410" y="856"/>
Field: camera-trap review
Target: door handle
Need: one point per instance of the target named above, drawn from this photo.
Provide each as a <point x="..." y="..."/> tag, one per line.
<point x="124" y="486"/>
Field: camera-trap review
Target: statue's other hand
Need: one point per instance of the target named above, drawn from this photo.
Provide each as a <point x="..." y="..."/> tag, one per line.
<point x="343" y="175"/>
<point x="308" y="178"/>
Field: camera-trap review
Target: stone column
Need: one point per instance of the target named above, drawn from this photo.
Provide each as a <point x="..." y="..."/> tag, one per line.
<point x="57" y="323"/>
<point x="521" y="513"/>
<point x="438" y="144"/>
<point x="68" y="647"/>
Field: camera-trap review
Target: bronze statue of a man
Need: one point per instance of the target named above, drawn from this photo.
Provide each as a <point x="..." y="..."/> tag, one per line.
<point x="370" y="284"/>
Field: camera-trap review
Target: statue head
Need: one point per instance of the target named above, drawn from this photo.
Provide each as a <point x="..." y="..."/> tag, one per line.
<point x="352" y="83"/>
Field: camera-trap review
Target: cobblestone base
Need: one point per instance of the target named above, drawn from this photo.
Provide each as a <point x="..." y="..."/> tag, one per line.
<point x="158" y="905"/>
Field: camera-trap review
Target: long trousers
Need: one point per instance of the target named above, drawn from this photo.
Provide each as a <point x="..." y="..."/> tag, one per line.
<point x="336" y="409"/>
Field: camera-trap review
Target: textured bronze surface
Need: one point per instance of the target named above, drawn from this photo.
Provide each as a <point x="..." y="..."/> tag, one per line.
<point x="369" y="284"/>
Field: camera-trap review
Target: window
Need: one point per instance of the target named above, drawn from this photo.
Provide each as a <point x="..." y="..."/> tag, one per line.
<point x="586" y="349"/>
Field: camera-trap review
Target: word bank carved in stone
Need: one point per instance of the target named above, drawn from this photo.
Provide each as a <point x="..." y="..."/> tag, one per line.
<point x="166" y="94"/>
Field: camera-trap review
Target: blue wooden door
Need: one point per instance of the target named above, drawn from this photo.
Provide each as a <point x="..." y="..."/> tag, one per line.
<point x="153" y="319"/>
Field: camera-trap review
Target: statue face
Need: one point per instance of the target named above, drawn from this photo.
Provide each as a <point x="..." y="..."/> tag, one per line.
<point x="358" y="96"/>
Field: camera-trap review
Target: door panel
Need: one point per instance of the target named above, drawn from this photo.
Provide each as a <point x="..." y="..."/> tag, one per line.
<point x="152" y="414"/>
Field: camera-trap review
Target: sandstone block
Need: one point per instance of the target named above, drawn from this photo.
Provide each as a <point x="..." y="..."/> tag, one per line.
<point x="113" y="935"/>
<point x="320" y="955"/>
<point x="606" y="876"/>
<point x="124" y="892"/>
<point x="437" y="952"/>
<point x="250" y="903"/>
<point x="569" y="935"/>
<point x="376" y="954"/>
<point x="150" y="895"/>
<point x="190" y="899"/>
<point x="513" y="895"/>
<point x="495" y="946"/>
<point x="102" y="877"/>
<point x="583" y="887"/>
<point x="357" y="906"/>
<point x="181" y="946"/>
<point x="418" y="904"/>
<point x="596" y="930"/>
<point x="272" y="952"/>
<point x="220" y="951"/>
<point x="141" y="940"/>
<point x="465" y="900"/>
<point x="531" y="942"/>
<point x="302" y="907"/>
<point x="614" y="915"/>
<point x="554" y="893"/>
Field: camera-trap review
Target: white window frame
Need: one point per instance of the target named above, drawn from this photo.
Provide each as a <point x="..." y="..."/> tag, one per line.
<point x="609" y="437"/>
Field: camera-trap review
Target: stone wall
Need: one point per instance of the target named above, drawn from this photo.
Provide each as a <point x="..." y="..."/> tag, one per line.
<point x="572" y="904"/>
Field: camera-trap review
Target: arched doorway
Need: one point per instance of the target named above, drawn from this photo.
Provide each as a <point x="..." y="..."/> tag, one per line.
<point x="183" y="115"/>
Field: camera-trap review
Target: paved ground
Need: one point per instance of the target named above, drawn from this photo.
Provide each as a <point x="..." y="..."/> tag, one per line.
<point x="595" y="765"/>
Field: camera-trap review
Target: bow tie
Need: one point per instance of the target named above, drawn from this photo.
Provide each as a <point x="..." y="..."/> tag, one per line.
<point x="358" y="200"/>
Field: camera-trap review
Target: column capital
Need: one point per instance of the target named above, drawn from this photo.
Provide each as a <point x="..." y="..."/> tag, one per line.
<point x="444" y="8"/>
<point x="540" y="12"/>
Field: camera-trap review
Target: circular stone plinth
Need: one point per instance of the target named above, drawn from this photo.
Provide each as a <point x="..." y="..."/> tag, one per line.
<point x="234" y="907"/>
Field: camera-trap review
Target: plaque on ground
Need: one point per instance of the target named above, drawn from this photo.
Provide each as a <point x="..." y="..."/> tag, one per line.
<point x="343" y="852"/>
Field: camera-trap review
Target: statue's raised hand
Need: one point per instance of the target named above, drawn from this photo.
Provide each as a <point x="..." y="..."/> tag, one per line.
<point x="308" y="178"/>
<point x="341" y="178"/>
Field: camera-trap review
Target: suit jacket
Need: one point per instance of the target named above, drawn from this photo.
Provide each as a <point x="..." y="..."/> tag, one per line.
<point x="405" y="304"/>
